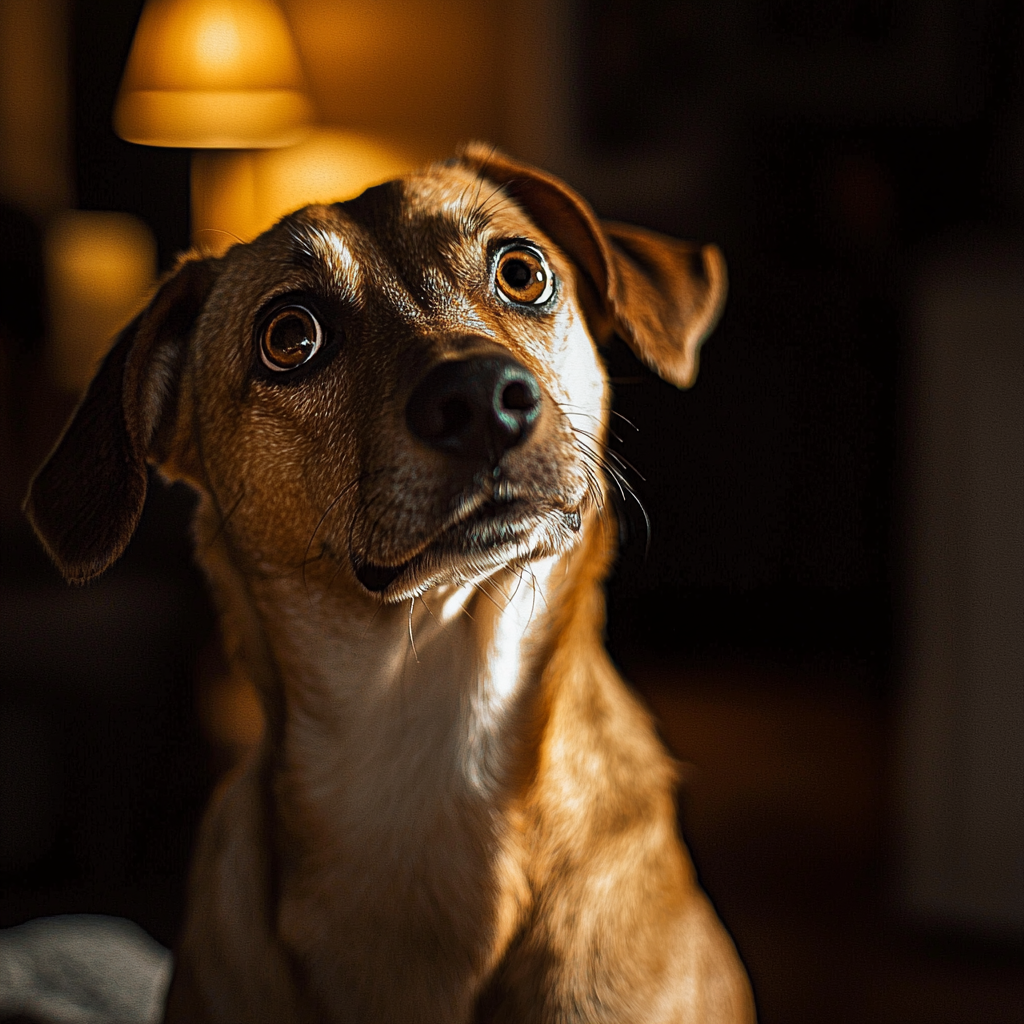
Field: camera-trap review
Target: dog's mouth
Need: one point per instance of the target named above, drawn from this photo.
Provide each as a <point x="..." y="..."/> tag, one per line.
<point x="483" y="536"/>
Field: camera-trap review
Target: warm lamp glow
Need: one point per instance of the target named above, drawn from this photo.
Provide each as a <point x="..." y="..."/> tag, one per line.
<point x="212" y="74"/>
<point x="238" y="195"/>
<point x="99" y="270"/>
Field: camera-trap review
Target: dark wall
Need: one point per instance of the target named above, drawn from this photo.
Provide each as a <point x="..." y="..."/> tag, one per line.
<point x="833" y="144"/>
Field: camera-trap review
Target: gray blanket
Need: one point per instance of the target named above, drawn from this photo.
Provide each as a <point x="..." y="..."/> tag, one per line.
<point x="82" y="969"/>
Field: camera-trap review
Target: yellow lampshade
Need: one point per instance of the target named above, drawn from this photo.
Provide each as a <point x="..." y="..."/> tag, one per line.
<point x="212" y="74"/>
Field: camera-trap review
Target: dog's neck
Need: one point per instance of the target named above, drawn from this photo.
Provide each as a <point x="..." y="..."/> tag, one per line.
<point x="395" y="691"/>
<point x="373" y="702"/>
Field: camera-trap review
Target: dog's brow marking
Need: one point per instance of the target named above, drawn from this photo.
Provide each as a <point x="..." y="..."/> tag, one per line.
<point x="327" y="249"/>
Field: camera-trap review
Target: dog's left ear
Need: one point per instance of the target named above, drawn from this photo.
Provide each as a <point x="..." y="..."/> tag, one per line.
<point x="86" y="499"/>
<point x="662" y="296"/>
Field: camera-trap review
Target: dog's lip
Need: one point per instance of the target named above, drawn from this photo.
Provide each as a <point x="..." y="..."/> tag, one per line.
<point x="377" y="578"/>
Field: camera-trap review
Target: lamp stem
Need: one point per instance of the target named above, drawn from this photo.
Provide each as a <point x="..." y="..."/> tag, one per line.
<point x="223" y="183"/>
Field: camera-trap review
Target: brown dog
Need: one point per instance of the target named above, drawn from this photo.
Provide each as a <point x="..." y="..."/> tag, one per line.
<point x="394" y="413"/>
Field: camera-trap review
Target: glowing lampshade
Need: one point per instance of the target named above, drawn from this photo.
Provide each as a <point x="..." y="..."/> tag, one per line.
<point x="212" y="74"/>
<point x="236" y="196"/>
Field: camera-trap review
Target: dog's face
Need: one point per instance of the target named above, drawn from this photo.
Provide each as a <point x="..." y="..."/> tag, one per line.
<point x="403" y="386"/>
<point x="396" y="391"/>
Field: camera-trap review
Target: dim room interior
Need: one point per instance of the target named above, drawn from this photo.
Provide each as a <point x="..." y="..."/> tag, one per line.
<point x="820" y="592"/>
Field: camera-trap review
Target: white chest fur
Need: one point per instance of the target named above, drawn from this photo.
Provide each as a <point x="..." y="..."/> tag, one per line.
<point x="396" y="748"/>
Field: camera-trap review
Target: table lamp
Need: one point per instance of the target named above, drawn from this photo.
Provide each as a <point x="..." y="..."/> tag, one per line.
<point x="221" y="77"/>
<point x="212" y="75"/>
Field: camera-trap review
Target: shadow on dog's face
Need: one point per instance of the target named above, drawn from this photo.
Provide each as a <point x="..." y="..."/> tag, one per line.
<point x="402" y="386"/>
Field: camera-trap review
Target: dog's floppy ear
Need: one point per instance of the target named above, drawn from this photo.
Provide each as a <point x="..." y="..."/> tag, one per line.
<point x="86" y="499"/>
<point x="660" y="295"/>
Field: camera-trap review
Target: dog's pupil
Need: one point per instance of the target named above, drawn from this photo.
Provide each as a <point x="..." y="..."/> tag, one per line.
<point x="290" y="339"/>
<point x="517" y="274"/>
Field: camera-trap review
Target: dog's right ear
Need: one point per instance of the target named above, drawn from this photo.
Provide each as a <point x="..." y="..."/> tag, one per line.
<point x="662" y="296"/>
<point x="86" y="499"/>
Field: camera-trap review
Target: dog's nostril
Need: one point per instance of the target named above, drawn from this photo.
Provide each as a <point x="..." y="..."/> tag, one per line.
<point x="456" y="415"/>
<point x="517" y="397"/>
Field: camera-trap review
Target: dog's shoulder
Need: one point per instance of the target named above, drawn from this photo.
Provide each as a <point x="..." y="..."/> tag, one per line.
<point x="229" y="963"/>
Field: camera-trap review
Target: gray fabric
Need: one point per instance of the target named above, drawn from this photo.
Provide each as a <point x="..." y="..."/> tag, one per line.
<point x="83" y="969"/>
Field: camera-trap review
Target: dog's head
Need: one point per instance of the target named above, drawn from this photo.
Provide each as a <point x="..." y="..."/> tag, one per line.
<point x="404" y="386"/>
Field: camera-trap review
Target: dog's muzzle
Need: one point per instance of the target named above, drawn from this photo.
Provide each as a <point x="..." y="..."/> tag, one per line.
<point x="473" y="410"/>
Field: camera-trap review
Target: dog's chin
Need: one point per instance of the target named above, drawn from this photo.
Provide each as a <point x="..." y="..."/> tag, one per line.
<point x="486" y="541"/>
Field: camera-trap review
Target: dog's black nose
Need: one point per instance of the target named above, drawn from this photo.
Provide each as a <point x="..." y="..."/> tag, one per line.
<point x="476" y="408"/>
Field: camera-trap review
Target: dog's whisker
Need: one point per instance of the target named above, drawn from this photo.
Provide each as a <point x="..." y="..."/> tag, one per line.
<point x="476" y="585"/>
<point x="516" y="563"/>
<point x="327" y="511"/>
<point x="576" y="410"/>
<point x="493" y="582"/>
<point x="482" y="213"/>
<point x="623" y="487"/>
<point x="610" y="470"/>
<point x="593" y="487"/>
<point x="474" y="206"/>
<point x="625" y="419"/>
<point x="620" y="459"/>
<point x="412" y="639"/>
<point x="624" y="464"/>
<point x="218" y="231"/>
<point x="533" y="595"/>
<point x="622" y="484"/>
<point x="370" y="621"/>
<point x="430" y="611"/>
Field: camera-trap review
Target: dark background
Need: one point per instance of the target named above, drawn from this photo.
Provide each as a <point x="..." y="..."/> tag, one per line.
<point x="772" y="575"/>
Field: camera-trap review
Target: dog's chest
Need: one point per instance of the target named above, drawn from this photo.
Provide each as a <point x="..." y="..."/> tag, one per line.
<point x="396" y="755"/>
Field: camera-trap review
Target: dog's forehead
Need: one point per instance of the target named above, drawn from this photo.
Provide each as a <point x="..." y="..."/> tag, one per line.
<point x="459" y="194"/>
<point x="430" y="218"/>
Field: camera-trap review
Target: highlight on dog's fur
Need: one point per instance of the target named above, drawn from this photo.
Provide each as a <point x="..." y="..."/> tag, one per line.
<point x="394" y="412"/>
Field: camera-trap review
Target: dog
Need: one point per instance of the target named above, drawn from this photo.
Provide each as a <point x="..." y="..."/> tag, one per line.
<point x="394" y="412"/>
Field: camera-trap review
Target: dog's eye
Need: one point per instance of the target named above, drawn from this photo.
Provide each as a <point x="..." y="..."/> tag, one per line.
<point x="523" y="277"/>
<point x="292" y="337"/>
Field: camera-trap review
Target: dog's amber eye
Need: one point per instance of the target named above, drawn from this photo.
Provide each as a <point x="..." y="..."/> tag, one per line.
<point x="292" y="337"/>
<point x="523" y="277"/>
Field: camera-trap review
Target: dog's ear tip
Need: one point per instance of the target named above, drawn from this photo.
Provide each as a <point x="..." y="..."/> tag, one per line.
<point x="683" y="375"/>
<point x="76" y="565"/>
<point x="676" y="367"/>
<point x="84" y="513"/>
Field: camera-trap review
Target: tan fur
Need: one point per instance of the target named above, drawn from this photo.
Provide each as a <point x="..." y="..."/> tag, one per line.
<point x="458" y="812"/>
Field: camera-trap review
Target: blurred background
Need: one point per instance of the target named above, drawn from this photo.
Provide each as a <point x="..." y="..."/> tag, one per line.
<point x="827" y="617"/>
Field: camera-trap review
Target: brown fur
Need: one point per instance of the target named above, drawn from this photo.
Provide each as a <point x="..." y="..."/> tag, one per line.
<point x="458" y="812"/>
